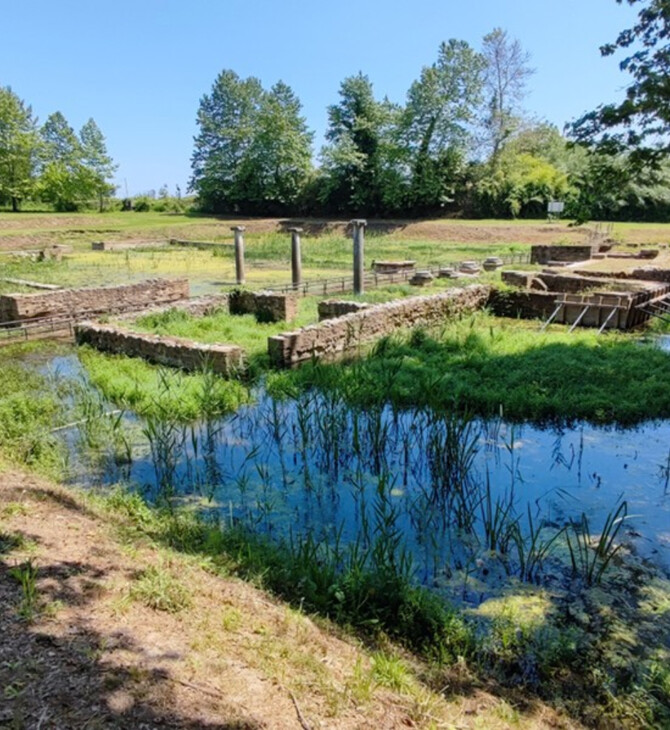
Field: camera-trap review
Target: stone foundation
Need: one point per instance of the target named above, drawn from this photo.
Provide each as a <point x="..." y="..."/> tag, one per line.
<point x="334" y="337"/>
<point x="334" y="308"/>
<point x="545" y="254"/>
<point x="170" y="351"/>
<point x="102" y="300"/>
<point x="265" y="306"/>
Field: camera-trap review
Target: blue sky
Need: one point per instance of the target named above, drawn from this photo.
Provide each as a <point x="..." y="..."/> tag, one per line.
<point x="140" y="67"/>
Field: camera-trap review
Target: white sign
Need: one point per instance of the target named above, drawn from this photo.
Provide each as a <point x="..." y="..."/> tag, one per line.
<point x="555" y="206"/>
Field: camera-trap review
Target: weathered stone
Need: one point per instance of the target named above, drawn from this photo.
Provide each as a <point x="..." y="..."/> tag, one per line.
<point x="558" y="253"/>
<point x="521" y="279"/>
<point x="421" y="278"/>
<point x="171" y="351"/>
<point x="393" y="267"/>
<point x="492" y="263"/>
<point x="447" y="272"/>
<point x="538" y="285"/>
<point x="333" y="308"/>
<point x="469" y="267"/>
<point x="86" y="302"/>
<point x="333" y="337"/>
<point x="265" y="306"/>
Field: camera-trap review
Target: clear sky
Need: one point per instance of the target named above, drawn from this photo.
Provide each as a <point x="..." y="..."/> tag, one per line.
<point x="139" y="67"/>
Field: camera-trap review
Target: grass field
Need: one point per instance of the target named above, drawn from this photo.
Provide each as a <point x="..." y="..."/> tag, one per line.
<point x="326" y="246"/>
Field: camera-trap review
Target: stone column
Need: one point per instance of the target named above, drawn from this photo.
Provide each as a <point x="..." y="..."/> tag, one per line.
<point x="296" y="259"/>
<point x="239" y="254"/>
<point x="358" y="226"/>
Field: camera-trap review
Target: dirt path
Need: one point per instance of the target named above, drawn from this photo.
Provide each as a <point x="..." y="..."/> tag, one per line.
<point x="125" y="634"/>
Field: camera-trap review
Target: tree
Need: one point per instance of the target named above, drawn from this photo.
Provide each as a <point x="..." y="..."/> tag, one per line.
<point x="437" y="121"/>
<point x="355" y="160"/>
<point x="506" y="72"/>
<point x="278" y="161"/>
<point x="95" y="159"/>
<point x="640" y="123"/>
<point x="227" y="122"/>
<point x="19" y="148"/>
<point x="65" y="181"/>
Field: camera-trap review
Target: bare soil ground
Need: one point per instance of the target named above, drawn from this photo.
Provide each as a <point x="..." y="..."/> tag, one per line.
<point x="95" y="656"/>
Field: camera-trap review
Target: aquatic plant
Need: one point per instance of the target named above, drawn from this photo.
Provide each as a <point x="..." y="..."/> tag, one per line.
<point x="590" y="558"/>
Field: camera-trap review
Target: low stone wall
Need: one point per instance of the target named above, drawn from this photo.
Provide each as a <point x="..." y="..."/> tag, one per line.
<point x="265" y="306"/>
<point x="198" y="307"/>
<point x="170" y="351"/>
<point x="334" y="308"/>
<point x="101" y="300"/>
<point x="522" y="304"/>
<point x="545" y="254"/>
<point x="334" y="337"/>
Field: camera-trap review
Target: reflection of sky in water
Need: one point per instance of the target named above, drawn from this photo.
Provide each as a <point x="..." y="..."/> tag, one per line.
<point x="253" y="465"/>
<point x="295" y="467"/>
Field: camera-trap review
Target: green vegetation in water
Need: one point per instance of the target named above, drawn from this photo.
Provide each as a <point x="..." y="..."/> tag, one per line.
<point x="152" y="391"/>
<point x="30" y="408"/>
<point x="491" y="366"/>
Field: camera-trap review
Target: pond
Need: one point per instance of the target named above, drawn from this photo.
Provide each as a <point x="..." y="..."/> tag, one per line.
<point x="465" y="500"/>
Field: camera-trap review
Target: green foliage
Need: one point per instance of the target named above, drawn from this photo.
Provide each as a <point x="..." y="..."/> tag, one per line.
<point x="19" y="148"/>
<point x="487" y="366"/>
<point x="25" y="575"/>
<point x="640" y="123"/>
<point x="243" y="330"/>
<point x="253" y="150"/>
<point x="29" y="410"/>
<point x="158" y="588"/>
<point x="590" y="561"/>
<point x="354" y="160"/>
<point x="435" y="125"/>
<point x="75" y="168"/>
<point x="133" y="384"/>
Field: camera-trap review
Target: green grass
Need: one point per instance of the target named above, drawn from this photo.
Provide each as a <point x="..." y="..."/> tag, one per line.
<point x="222" y="327"/>
<point x="490" y="366"/>
<point x="30" y="408"/>
<point x="149" y="390"/>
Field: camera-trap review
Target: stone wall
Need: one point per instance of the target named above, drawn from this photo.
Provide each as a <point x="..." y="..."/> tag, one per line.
<point x="170" y="351"/>
<point x="265" y="306"/>
<point x="333" y="337"/>
<point x="101" y="300"/>
<point x="197" y="307"/>
<point x="333" y="308"/>
<point x="545" y="254"/>
<point x="522" y="304"/>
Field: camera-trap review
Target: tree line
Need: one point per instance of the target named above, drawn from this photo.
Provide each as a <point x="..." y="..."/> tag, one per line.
<point x="52" y="162"/>
<point x="461" y="144"/>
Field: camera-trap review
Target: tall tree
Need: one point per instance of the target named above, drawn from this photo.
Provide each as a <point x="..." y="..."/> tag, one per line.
<point x="65" y="181"/>
<point x="354" y="161"/>
<point x="226" y="121"/>
<point x="506" y="72"/>
<point x="19" y="148"/>
<point x="278" y="161"/>
<point x="641" y="122"/>
<point x="437" y="121"/>
<point x="95" y="158"/>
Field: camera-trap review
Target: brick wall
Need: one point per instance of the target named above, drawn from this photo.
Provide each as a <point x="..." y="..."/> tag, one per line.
<point x="101" y="300"/>
<point x="171" y="351"/>
<point x="334" y="337"/>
